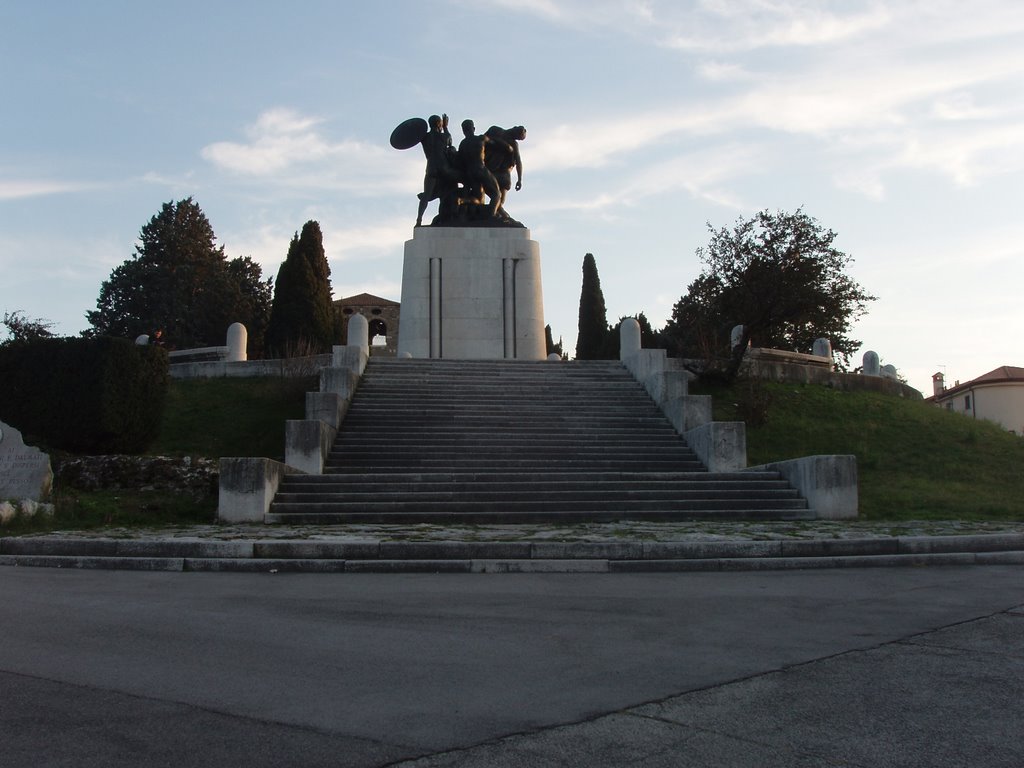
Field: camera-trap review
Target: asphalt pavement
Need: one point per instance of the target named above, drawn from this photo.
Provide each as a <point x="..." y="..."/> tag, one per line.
<point x="865" y="667"/>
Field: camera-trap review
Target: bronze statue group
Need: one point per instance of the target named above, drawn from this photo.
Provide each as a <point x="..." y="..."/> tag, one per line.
<point x="470" y="182"/>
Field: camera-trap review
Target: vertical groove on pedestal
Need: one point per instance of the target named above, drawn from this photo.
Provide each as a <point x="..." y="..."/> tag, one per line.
<point x="509" y="306"/>
<point x="435" y="308"/>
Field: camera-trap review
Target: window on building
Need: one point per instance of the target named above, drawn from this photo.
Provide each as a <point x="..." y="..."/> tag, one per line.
<point x="967" y="403"/>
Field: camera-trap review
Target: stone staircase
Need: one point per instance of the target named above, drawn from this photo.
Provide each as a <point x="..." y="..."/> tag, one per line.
<point x="440" y="441"/>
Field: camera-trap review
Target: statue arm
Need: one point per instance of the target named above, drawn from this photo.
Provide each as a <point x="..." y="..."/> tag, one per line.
<point x="519" y="166"/>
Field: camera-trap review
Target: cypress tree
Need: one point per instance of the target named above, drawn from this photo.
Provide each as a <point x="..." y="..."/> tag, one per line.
<point x="549" y="342"/>
<point x="302" y="315"/>
<point x="591" y="342"/>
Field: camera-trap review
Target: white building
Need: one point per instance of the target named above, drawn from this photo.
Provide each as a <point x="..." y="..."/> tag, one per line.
<point x="997" y="396"/>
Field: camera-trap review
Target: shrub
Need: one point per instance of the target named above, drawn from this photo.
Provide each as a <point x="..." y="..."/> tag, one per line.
<point x="97" y="395"/>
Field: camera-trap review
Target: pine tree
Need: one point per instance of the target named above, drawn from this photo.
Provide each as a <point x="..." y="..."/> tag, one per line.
<point x="592" y="340"/>
<point x="180" y="281"/>
<point x="302" y="315"/>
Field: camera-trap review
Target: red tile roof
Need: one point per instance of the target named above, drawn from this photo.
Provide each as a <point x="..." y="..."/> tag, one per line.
<point x="366" y="298"/>
<point x="1002" y="373"/>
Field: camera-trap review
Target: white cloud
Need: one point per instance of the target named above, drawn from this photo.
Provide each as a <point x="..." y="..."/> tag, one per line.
<point x="961" y="106"/>
<point x="292" y="150"/>
<point x="56" y="276"/>
<point x="608" y="141"/>
<point x="702" y="174"/>
<point x="967" y="158"/>
<point x="715" y="25"/>
<point x="267" y="243"/>
<point x="17" y="189"/>
<point x="759" y="24"/>
<point x="865" y="180"/>
<point x="723" y="71"/>
<point x="279" y="139"/>
<point x="546" y="9"/>
<point x="597" y="203"/>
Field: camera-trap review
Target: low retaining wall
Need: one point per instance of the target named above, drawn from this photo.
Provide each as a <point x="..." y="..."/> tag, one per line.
<point x="797" y="368"/>
<point x="829" y="483"/>
<point x="247" y="486"/>
<point x="292" y="367"/>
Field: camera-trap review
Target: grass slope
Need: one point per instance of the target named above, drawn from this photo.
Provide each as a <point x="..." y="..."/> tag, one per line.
<point x="231" y="417"/>
<point x="915" y="461"/>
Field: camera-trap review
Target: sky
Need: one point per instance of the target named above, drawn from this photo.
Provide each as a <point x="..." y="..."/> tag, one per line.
<point x="897" y="124"/>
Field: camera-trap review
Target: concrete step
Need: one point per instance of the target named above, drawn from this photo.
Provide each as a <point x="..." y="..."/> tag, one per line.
<point x="735" y="479"/>
<point x="364" y="491"/>
<point x="512" y="481"/>
<point x="468" y="464"/>
<point x="516" y="442"/>
<point x="605" y="496"/>
<point x="464" y="438"/>
<point x="526" y="405"/>
<point x="482" y="444"/>
<point x="566" y="457"/>
<point x="560" y="516"/>
<point x="441" y="463"/>
<point x="555" y="423"/>
<point x="312" y="503"/>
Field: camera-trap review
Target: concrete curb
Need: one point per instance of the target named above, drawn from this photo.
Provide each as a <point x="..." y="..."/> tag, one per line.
<point x="306" y="556"/>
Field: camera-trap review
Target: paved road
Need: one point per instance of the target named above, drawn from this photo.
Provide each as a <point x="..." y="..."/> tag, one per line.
<point x="859" y="667"/>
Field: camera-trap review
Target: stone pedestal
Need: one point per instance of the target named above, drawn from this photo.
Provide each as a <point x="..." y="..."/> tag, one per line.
<point x="472" y="293"/>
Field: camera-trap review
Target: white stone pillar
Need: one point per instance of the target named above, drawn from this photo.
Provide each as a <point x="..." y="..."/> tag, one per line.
<point x="823" y="348"/>
<point x="629" y="338"/>
<point x="359" y="332"/>
<point x="472" y="293"/>
<point x="871" y="364"/>
<point x="238" y="339"/>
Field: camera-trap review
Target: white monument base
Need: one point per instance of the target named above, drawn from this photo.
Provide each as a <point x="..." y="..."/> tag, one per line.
<point x="472" y="293"/>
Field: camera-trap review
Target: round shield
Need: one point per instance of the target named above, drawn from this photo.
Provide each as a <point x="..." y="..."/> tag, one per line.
<point x="409" y="133"/>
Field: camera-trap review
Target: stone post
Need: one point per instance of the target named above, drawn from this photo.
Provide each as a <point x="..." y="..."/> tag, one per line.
<point x="238" y="340"/>
<point x="359" y="332"/>
<point x="871" y="364"/>
<point x="629" y="338"/>
<point x="736" y="336"/>
<point x="823" y="348"/>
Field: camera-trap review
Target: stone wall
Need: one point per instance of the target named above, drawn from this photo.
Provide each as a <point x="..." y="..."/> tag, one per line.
<point x="178" y="474"/>
<point x="796" y="368"/>
<point x="292" y="367"/>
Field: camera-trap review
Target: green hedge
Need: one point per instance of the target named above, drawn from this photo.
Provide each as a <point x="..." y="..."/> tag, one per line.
<point x="92" y="396"/>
